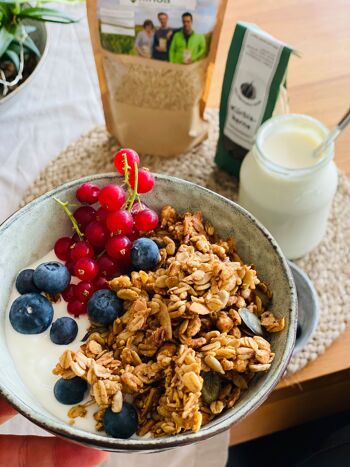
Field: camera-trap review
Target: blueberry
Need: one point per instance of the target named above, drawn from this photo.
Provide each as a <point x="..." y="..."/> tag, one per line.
<point x="104" y="307"/>
<point x="64" y="330"/>
<point x="25" y="283"/>
<point x="144" y="254"/>
<point x="52" y="277"/>
<point x="31" y="313"/>
<point x="122" y="424"/>
<point x="70" y="391"/>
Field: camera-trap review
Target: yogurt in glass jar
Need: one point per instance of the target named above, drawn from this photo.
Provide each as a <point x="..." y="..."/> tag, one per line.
<point x="285" y="187"/>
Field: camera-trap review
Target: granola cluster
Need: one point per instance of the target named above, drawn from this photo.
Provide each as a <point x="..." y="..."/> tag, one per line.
<point x="180" y="351"/>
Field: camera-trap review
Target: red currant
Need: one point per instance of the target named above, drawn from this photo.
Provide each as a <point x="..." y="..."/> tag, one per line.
<point x="87" y="193"/>
<point x="118" y="247"/>
<point x="81" y="249"/>
<point x="138" y="206"/>
<point x="107" y="266"/>
<point x="146" y="220"/>
<point x="70" y="267"/>
<point x="83" y="291"/>
<point x="131" y="157"/>
<point x="84" y="215"/>
<point x="120" y="222"/>
<point x="76" y="308"/>
<point x="86" y="269"/>
<point x="75" y="238"/>
<point x="134" y="235"/>
<point x="145" y="181"/>
<point x="111" y="197"/>
<point x="101" y="215"/>
<point x="97" y="234"/>
<point x="68" y="293"/>
<point x="100" y="283"/>
<point x="62" y="247"/>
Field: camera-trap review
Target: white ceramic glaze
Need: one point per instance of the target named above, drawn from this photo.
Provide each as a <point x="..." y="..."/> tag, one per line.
<point x="31" y="232"/>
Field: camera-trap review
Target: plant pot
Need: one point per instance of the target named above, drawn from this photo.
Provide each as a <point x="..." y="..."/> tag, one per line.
<point x="40" y="37"/>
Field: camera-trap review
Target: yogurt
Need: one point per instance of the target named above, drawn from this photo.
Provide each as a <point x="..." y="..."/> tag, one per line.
<point x="291" y="145"/>
<point x="42" y="355"/>
<point x="285" y="187"/>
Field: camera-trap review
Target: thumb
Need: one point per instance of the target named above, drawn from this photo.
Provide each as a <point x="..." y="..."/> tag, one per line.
<point x="31" y="451"/>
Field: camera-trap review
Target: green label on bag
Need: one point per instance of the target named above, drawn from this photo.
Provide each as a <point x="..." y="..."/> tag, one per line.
<point x="255" y="68"/>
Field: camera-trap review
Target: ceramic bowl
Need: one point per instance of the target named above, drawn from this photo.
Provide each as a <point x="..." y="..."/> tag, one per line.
<point x="308" y="307"/>
<point x="31" y="232"/>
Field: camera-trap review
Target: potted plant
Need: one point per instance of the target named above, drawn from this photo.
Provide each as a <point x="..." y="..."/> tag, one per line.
<point x="23" y="42"/>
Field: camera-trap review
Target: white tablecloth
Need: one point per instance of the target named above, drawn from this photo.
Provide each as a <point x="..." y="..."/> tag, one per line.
<point x="62" y="103"/>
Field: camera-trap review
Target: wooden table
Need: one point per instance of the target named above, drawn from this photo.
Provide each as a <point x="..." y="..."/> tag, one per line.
<point x="319" y="85"/>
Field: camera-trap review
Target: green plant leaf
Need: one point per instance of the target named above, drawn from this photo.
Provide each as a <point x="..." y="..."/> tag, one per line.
<point x="6" y="37"/>
<point x="30" y="44"/>
<point x="28" y="29"/>
<point x="13" y="57"/>
<point x="9" y="9"/>
<point x="19" y="32"/>
<point x="15" y="47"/>
<point x="64" y="2"/>
<point x="45" y="14"/>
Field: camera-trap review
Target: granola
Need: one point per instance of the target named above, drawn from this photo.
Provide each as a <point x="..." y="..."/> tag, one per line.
<point x="180" y="349"/>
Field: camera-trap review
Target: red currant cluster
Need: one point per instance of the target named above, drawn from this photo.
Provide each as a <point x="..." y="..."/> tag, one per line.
<point x="108" y="222"/>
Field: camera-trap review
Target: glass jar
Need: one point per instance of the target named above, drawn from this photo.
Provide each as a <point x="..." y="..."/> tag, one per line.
<point x="285" y="187"/>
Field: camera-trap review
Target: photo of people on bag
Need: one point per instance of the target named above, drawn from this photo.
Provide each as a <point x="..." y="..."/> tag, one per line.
<point x="155" y="60"/>
<point x="177" y="34"/>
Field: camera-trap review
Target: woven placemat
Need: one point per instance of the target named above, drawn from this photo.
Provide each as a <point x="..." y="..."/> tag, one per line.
<point x="328" y="265"/>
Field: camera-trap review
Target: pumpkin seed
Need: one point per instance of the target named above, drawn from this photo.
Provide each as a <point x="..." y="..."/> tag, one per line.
<point x="251" y="322"/>
<point x="211" y="387"/>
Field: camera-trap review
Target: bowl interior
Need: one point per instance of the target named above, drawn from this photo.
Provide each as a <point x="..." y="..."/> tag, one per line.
<point x="31" y="233"/>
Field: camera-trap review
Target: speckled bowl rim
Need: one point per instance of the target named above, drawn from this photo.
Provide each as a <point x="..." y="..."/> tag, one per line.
<point x="155" y="444"/>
